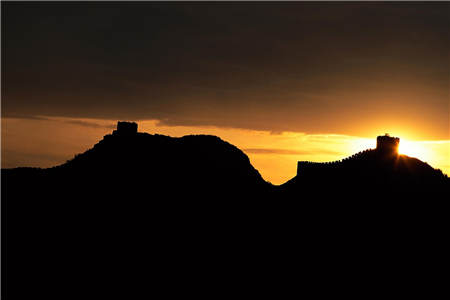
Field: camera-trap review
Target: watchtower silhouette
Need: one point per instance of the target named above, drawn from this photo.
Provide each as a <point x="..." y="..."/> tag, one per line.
<point x="126" y="128"/>
<point x="387" y="144"/>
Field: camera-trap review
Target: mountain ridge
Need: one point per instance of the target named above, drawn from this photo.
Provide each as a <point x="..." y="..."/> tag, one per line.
<point x="163" y="159"/>
<point x="138" y="207"/>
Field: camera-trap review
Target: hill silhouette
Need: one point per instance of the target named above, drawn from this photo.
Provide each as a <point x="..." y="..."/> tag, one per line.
<point x="370" y="174"/>
<point x="139" y="208"/>
<point x="127" y="163"/>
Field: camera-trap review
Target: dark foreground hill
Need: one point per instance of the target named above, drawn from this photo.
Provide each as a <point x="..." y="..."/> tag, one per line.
<point x="141" y="213"/>
<point x="370" y="175"/>
<point x="151" y="167"/>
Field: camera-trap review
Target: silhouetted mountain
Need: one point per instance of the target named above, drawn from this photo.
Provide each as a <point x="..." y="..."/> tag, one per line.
<point x="140" y="210"/>
<point x="134" y="199"/>
<point x="370" y="174"/>
<point x="141" y="164"/>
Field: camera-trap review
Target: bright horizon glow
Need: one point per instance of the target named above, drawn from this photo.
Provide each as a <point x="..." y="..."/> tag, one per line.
<point x="414" y="149"/>
<point x="436" y="153"/>
<point x="27" y="142"/>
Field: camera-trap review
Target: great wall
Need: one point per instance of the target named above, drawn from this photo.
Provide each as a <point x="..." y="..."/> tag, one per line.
<point x="387" y="146"/>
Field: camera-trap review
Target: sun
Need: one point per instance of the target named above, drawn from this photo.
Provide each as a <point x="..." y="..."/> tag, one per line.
<point x="414" y="149"/>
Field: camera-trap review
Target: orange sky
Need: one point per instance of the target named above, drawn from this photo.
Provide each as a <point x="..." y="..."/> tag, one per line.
<point x="46" y="142"/>
<point x="282" y="81"/>
<point x="349" y="68"/>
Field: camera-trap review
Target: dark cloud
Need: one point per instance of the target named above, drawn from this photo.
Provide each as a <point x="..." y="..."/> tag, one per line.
<point x="83" y="123"/>
<point x="89" y="124"/>
<point x="309" y="67"/>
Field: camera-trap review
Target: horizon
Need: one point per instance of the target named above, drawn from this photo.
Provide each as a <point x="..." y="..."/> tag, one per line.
<point x="275" y="156"/>
<point x="283" y="82"/>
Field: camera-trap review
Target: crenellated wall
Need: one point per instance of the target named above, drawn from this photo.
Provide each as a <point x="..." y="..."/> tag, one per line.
<point x="303" y="166"/>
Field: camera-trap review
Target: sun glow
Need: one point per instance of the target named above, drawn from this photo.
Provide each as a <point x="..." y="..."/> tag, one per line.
<point x="415" y="149"/>
<point x="275" y="156"/>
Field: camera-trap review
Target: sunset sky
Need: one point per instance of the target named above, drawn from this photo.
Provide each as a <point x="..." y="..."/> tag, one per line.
<point x="282" y="81"/>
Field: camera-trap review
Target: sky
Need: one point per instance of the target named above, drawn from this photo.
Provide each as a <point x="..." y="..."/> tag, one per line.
<point x="283" y="81"/>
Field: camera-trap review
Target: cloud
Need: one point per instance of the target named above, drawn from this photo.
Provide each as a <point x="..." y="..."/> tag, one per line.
<point x="84" y="123"/>
<point x="278" y="67"/>
<point x="288" y="152"/>
<point x="89" y="124"/>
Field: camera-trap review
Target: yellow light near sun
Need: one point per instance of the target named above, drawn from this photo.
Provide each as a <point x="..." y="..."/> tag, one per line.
<point x="356" y="145"/>
<point x="415" y="149"/>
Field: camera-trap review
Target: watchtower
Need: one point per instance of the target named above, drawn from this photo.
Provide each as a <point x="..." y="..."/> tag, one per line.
<point x="126" y="128"/>
<point x="388" y="144"/>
